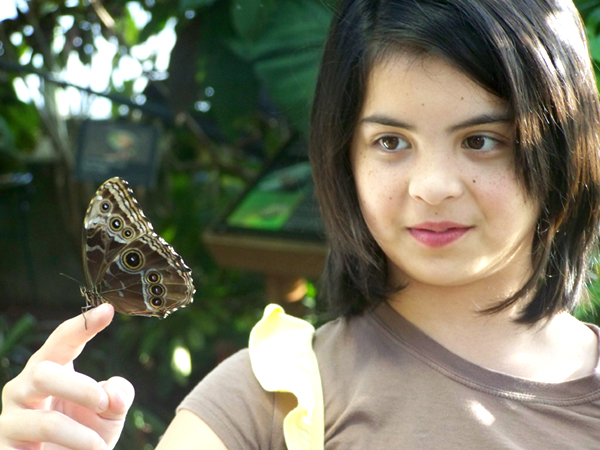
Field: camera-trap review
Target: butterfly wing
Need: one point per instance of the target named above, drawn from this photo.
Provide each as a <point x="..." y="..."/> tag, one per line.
<point x="125" y="262"/>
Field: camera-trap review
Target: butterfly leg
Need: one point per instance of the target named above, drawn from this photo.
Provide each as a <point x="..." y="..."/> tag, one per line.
<point x="89" y="304"/>
<point x="85" y="309"/>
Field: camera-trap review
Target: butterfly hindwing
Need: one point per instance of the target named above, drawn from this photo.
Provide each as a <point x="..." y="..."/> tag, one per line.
<point x="147" y="277"/>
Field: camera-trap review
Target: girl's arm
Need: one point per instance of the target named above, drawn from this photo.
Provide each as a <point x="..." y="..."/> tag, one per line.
<point x="188" y="431"/>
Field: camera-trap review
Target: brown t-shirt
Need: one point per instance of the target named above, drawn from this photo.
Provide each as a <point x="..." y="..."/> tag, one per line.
<point x="387" y="385"/>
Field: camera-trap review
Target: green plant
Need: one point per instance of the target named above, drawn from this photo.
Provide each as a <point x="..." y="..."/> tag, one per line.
<point x="14" y="340"/>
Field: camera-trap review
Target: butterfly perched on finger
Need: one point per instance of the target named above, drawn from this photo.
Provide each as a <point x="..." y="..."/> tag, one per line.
<point x="125" y="262"/>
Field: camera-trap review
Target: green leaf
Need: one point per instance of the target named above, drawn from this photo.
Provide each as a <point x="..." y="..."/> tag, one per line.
<point x="250" y="17"/>
<point x="151" y="340"/>
<point x="16" y="334"/>
<point x="595" y="48"/>
<point x="286" y="56"/>
<point x="291" y="82"/>
<point x="125" y="26"/>
<point x="7" y="139"/>
<point x="185" y="5"/>
<point x="235" y="88"/>
<point x="161" y="13"/>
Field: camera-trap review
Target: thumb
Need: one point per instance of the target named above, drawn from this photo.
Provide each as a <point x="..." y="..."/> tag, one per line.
<point x="120" y="394"/>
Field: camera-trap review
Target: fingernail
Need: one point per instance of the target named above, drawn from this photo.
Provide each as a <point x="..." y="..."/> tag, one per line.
<point x="99" y="309"/>
<point x="125" y="397"/>
<point x="103" y="403"/>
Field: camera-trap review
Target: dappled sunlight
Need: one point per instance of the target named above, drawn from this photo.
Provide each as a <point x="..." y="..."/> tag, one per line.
<point x="567" y="32"/>
<point x="517" y="257"/>
<point x="181" y="361"/>
<point x="480" y="413"/>
<point x="148" y="60"/>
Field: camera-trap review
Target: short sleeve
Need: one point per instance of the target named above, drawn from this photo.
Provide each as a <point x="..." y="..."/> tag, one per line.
<point x="234" y="405"/>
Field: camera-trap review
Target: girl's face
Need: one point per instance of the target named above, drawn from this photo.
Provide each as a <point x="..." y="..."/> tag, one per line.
<point x="433" y="165"/>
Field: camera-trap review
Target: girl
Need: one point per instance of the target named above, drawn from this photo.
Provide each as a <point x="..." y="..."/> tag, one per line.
<point x="455" y="155"/>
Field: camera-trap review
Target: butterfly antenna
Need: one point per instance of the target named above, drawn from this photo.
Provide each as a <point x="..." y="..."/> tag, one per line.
<point x="82" y="288"/>
<point x="71" y="278"/>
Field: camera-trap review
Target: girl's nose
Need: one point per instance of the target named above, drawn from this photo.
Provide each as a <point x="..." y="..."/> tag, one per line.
<point x="435" y="179"/>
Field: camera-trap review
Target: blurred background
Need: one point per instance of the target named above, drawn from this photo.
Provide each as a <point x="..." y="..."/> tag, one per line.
<point x="203" y="106"/>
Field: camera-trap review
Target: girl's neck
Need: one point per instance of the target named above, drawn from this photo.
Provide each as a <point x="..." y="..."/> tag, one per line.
<point x="555" y="350"/>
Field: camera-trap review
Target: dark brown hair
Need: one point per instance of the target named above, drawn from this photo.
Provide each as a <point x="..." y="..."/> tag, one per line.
<point x="533" y="54"/>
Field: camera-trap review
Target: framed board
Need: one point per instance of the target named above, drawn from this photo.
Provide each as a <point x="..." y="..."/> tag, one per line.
<point x="108" y="148"/>
<point x="280" y="203"/>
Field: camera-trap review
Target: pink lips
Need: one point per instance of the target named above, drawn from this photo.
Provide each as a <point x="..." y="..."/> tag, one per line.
<point x="438" y="234"/>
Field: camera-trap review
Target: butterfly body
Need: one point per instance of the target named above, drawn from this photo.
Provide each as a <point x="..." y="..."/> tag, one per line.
<point x="125" y="262"/>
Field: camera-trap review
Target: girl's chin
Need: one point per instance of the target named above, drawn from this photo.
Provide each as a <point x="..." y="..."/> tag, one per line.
<point x="433" y="278"/>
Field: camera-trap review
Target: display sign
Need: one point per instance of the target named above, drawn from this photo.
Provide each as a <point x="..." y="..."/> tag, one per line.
<point x="281" y="202"/>
<point x="107" y="149"/>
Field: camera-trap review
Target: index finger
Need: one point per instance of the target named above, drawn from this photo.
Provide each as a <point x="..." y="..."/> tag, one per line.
<point x="68" y="340"/>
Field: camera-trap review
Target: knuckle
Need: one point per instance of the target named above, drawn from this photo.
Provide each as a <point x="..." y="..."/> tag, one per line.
<point x="62" y="327"/>
<point x="14" y="391"/>
<point x="92" y="396"/>
<point x="63" y="334"/>
<point x="49" y="423"/>
<point x="7" y="390"/>
<point x="39" y="375"/>
<point x="4" y="426"/>
<point x="98" y="444"/>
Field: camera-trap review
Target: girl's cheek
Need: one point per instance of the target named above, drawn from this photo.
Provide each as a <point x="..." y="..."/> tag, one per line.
<point x="499" y="191"/>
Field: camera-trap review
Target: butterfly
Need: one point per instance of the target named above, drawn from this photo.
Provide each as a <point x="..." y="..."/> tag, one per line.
<point x="125" y="262"/>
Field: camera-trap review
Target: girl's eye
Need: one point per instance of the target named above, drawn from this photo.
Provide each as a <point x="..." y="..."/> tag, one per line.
<point x="480" y="143"/>
<point x="392" y="143"/>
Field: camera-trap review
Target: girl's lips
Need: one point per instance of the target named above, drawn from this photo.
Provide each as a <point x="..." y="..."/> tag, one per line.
<point x="439" y="234"/>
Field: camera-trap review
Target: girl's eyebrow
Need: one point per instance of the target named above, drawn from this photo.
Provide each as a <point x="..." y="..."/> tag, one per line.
<point x="482" y="119"/>
<point x="387" y="121"/>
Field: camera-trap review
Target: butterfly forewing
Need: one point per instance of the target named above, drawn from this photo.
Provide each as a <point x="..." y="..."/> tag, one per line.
<point x="112" y="220"/>
<point x="126" y="263"/>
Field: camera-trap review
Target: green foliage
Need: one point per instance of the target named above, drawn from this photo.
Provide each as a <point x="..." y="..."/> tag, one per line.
<point x="235" y="99"/>
<point x="19" y="129"/>
<point x="126" y="28"/>
<point x="286" y="56"/>
<point x="250" y="17"/>
<point x="13" y="346"/>
<point x="588" y="310"/>
<point x="7" y="140"/>
<point x="590" y="13"/>
<point x="9" y="158"/>
<point x="250" y="46"/>
<point x="185" y="5"/>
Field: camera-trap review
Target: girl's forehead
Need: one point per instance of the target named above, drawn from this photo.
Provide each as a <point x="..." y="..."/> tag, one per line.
<point x="402" y="81"/>
<point x="395" y="66"/>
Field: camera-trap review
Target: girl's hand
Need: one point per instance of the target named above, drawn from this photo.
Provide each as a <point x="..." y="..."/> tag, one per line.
<point x="50" y="406"/>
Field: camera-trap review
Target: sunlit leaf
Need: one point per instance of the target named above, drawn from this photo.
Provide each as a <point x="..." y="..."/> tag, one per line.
<point x="161" y="13"/>
<point x="127" y="28"/>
